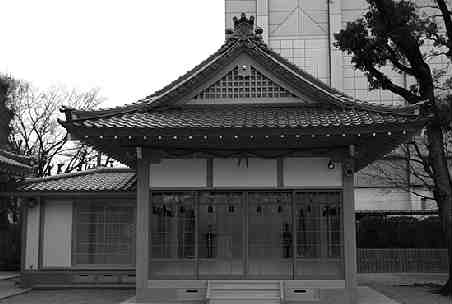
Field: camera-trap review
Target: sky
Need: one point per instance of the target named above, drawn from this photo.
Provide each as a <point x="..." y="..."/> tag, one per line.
<point x="127" y="49"/>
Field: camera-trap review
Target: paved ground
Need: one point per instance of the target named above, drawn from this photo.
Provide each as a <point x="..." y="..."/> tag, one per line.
<point x="402" y="288"/>
<point x="8" y="285"/>
<point x="71" y="296"/>
<point x="407" y="288"/>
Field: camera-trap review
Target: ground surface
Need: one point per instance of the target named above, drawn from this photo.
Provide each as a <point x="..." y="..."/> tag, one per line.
<point x="71" y="296"/>
<point x="407" y="288"/>
<point x="403" y="288"/>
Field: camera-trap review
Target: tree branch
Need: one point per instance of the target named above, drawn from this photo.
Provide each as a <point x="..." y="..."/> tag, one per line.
<point x="387" y="84"/>
<point x="442" y="5"/>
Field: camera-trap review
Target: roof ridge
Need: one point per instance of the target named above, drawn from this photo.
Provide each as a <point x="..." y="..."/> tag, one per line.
<point x="77" y="173"/>
<point x="146" y="102"/>
<point x="241" y="37"/>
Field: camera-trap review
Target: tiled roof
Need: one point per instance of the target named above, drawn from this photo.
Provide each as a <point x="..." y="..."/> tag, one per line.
<point x="14" y="164"/>
<point x="94" y="180"/>
<point x="252" y="45"/>
<point x="246" y="116"/>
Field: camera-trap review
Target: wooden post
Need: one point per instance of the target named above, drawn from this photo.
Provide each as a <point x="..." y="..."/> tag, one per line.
<point x="293" y="210"/>
<point x="142" y="228"/>
<point x="41" y="233"/>
<point x="349" y="232"/>
<point x="23" y="240"/>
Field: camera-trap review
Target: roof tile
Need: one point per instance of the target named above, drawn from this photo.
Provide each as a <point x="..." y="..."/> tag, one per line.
<point x="96" y="180"/>
<point x="242" y="116"/>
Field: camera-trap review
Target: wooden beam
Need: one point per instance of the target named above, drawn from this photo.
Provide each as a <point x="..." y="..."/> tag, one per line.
<point x="280" y="172"/>
<point x="348" y="214"/>
<point x="209" y="173"/>
<point x="142" y="227"/>
<point x="23" y="240"/>
<point x="41" y="206"/>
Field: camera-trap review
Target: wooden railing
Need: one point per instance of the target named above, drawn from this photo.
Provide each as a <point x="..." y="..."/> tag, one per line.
<point x="402" y="260"/>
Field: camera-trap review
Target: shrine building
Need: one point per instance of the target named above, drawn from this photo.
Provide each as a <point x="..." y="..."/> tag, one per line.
<point x="241" y="186"/>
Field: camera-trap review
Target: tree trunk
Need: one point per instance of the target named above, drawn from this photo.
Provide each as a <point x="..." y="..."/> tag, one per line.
<point x="443" y="187"/>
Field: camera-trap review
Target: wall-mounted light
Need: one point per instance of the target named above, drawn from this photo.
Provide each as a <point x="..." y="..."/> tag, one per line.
<point x="32" y="202"/>
<point x="331" y="165"/>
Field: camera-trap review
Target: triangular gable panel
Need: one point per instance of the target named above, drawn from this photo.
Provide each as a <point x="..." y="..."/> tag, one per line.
<point x="244" y="81"/>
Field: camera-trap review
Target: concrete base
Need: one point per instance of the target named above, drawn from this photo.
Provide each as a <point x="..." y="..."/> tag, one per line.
<point x="366" y="295"/>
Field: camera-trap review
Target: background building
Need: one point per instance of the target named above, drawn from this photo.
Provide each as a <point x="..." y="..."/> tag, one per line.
<point x="302" y="31"/>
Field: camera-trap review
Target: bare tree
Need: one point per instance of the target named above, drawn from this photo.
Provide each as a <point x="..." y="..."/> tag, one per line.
<point x="36" y="131"/>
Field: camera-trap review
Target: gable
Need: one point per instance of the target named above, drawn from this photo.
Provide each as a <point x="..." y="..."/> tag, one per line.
<point x="244" y="81"/>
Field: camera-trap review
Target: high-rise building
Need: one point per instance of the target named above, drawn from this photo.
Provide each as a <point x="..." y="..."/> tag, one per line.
<point x="303" y="31"/>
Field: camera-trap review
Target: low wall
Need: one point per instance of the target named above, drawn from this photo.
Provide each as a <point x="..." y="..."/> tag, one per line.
<point x="402" y="260"/>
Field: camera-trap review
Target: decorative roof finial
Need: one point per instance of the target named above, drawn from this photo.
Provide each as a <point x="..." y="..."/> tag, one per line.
<point x="243" y="28"/>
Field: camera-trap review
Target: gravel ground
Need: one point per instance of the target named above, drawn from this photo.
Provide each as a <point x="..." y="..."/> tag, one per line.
<point x="71" y="296"/>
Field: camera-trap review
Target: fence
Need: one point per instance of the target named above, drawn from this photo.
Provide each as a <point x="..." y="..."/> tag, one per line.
<point x="402" y="260"/>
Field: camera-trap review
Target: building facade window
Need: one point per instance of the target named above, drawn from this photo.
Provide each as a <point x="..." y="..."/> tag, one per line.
<point x="246" y="234"/>
<point x="104" y="233"/>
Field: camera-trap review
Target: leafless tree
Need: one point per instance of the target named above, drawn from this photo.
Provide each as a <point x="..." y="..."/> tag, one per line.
<point x="36" y="131"/>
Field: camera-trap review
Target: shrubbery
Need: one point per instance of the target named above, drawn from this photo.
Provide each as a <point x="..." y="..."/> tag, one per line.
<point x="400" y="232"/>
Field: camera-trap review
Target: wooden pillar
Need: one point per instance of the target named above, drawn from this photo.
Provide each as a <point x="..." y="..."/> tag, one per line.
<point x="348" y="213"/>
<point x="23" y="239"/>
<point x="142" y="225"/>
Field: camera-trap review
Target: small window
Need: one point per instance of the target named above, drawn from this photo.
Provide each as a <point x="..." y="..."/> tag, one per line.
<point x="104" y="233"/>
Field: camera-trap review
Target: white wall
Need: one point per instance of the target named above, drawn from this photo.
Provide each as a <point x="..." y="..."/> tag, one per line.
<point x="179" y="173"/>
<point x="311" y="172"/>
<point x="418" y="204"/>
<point x="57" y="233"/>
<point x="252" y="173"/>
<point x="32" y="241"/>
<point x="382" y="199"/>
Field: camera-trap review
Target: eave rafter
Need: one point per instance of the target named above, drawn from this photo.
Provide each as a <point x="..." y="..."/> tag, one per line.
<point x="245" y="143"/>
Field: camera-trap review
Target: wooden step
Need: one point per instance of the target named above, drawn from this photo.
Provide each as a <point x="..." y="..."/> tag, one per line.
<point x="245" y="294"/>
<point x="247" y="301"/>
<point x="244" y="291"/>
<point x="254" y="285"/>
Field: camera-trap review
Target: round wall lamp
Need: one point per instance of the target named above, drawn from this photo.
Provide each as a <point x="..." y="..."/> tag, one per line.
<point x="331" y="165"/>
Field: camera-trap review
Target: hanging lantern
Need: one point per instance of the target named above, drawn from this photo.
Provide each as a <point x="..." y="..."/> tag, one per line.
<point x="259" y="209"/>
<point x="210" y="209"/>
